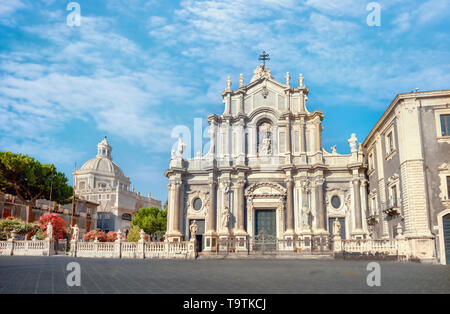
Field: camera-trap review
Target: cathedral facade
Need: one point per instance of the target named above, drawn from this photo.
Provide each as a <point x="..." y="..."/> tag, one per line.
<point x="267" y="172"/>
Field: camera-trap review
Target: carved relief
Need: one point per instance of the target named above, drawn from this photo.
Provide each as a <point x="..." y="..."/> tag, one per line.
<point x="335" y="201"/>
<point x="265" y="190"/>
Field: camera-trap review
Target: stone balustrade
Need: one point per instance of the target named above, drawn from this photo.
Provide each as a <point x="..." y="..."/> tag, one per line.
<point x="397" y="246"/>
<point x="27" y="248"/>
<point x="119" y="249"/>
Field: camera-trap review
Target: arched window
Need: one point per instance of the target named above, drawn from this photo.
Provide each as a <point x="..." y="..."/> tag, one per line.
<point x="126" y="217"/>
<point x="82" y="185"/>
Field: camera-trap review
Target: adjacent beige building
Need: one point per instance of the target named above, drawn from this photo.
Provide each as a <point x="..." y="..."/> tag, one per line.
<point x="408" y="158"/>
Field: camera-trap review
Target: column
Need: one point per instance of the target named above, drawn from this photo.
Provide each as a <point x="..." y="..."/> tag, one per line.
<point x="241" y="206"/>
<point x="289" y="207"/>
<point x="210" y="237"/>
<point x="302" y="137"/>
<point x="241" y="234"/>
<point x="319" y="206"/>
<point x="288" y="135"/>
<point x="318" y="137"/>
<point x="174" y="233"/>
<point x="357" y="206"/>
<point x="212" y="207"/>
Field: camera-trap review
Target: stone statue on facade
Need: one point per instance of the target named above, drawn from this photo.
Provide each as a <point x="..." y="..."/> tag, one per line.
<point x="306" y="217"/>
<point x="333" y="150"/>
<point x="193" y="228"/>
<point x="225" y="218"/>
<point x="265" y="147"/>
<point x="180" y="148"/>
<point x="336" y="227"/>
<point x="352" y="142"/>
<point x="49" y="230"/>
<point x="399" y="230"/>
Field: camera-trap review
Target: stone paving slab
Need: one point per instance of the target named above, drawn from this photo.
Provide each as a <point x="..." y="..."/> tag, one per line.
<point x="19" y="274"/>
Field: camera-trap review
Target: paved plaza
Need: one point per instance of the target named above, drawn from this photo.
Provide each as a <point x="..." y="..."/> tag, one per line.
<point x="48" y="275"/>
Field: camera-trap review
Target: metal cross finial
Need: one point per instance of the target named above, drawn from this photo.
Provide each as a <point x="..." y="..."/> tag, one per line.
<point x="264" y="57"/>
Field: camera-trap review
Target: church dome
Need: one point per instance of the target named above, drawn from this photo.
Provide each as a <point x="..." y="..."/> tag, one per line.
<point x="103" y="161"/>
<point x="102" y="164"/>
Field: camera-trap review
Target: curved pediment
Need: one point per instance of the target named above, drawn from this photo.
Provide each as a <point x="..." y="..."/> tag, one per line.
<point x="265" y="189"/>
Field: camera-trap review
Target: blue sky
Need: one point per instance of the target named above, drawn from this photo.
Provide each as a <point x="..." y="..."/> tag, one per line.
<point x="135" y="69"/>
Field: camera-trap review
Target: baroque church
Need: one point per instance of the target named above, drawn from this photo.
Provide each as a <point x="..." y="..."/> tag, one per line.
<point x="102" y="181"/>
<point x="267" y="173"/>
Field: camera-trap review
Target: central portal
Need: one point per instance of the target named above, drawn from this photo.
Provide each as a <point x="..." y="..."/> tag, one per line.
<point x="266" y="222"/>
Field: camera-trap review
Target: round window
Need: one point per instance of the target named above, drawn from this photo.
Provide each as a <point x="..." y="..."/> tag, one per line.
<point x="197" y="204"/>
<point x="336" y="201"/>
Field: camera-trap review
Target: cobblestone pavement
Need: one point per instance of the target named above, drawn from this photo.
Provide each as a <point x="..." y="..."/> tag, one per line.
<point x="48" y="275"/>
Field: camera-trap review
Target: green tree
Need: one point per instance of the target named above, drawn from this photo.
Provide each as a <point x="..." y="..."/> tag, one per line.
<point x="151" y="219"/>
<point x="30" y="180"/>
<point x="134" y="234"/>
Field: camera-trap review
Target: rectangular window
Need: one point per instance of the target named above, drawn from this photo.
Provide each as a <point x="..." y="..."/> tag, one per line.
<point x="390" y="143"/>
<point x="394" y="195"/>
<point x="373" y="206"/>
<point x="448" y="188"/>
<point x="445" y="125"/>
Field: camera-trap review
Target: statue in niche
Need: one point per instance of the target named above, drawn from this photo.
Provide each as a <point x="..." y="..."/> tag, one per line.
<point x="265" y="145"/>
<point x="306" y="217"/>
<point x="225" y="218"/>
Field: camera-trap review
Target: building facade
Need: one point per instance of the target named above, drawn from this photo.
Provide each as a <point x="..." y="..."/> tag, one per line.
<point x="408" y="157"/>
<point x="84" y="214"/>
<point x="101" y="180"/>
<point x="267" y="172"/>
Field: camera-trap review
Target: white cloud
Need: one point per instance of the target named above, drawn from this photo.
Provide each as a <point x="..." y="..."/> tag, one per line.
<point x="353" y="8"/>
<point x="7" y="10"/>
<point x="87" y="73"/>
<point x="430" y="12"/>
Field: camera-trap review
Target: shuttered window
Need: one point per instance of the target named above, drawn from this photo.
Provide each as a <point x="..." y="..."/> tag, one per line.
<point x="445" y="124"/>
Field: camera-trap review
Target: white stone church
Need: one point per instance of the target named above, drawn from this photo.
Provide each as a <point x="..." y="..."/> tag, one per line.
<point x="101" y="180"/>
<point x="267" y="173"/>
